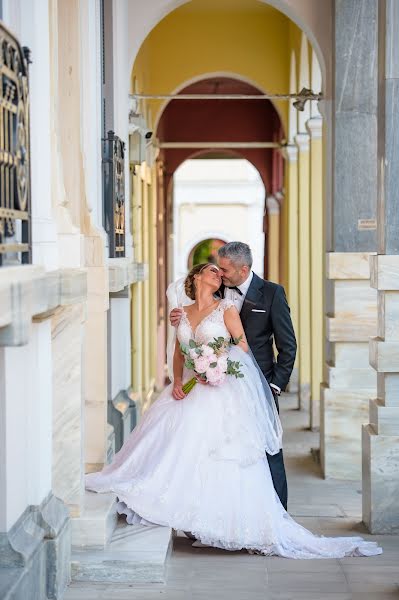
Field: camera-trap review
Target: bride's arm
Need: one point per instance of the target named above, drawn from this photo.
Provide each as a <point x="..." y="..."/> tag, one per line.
<point x="234" y="326"/>
<point x="178" y="363"/>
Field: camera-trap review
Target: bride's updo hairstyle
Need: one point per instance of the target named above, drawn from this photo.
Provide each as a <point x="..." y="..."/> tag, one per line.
<point x="189" y="284"/>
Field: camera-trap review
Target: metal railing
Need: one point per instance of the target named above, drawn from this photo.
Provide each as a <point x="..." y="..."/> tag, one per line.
<point x="114" y="193"/>
<point x="15" y="181"/>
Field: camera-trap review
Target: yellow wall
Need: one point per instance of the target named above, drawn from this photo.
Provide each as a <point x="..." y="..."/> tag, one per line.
<point x="251" y="40"/>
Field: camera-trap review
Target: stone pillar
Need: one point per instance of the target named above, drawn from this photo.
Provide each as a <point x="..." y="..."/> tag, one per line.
<point x="290" y="154"/>
<point x="136" y="304"/>
<point x="381" y="435"/>
<point x="351" y="304"/>
<point x="314" y="127"/>
<point x="273" y="238"/>
<point x="355" y="127"/>
<point x="304" y="338"/>
<point x="145" y="327"/>
<point x="349" y="379"/>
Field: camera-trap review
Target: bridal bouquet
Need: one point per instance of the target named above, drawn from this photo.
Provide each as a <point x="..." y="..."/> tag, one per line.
<point x="210" y="362"/>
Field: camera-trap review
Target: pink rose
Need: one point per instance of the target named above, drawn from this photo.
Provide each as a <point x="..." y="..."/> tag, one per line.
<point x="215" y="375"/>
<point x="201" y="364"/>
<point x="207" y="351"/>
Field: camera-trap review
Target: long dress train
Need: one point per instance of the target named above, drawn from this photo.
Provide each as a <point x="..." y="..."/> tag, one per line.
<point x="199" y="465"/>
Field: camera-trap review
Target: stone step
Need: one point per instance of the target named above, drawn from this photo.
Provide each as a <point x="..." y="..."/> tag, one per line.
<point x="96" y="523"/>
<point x="135" y="553"/>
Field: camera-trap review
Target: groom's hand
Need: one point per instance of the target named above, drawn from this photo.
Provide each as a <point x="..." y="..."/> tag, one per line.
<point x="175" y="316"/>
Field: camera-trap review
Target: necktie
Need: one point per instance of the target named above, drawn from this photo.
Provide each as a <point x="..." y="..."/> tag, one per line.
<point x="234" y="287"/>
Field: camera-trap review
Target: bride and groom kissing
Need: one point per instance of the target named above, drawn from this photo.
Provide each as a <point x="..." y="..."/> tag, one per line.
<point x="210" y="462"/>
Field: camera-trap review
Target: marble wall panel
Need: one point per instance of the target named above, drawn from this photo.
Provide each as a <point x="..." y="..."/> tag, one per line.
<point x="391" y="220"/>
<point x="355" y="185"/>
<point x="96" y="388"/>
<point x="388" y="388"/>
<point x="342" y="378"/>
<point x="353" y="329"/>
<point x="384" y="356"/>
<point x="348" y="265"/>
<point x="351" y="355"/>
<point x="380" y="466"/>
<point x="67" y="479"/>
<point x="354" y="298"/>
<point x="390" y="302"/>
<point x="384" y="272"/>
<point x="391" y="54"/>
<point x="356" y="55"/>
<point x="385" y="419"/>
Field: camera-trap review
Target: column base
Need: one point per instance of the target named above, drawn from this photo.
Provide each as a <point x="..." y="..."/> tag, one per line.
<point x="304" y="396"/>
<point x="122" y="416"/>
<point x="380" y="470"/>
<point x="293" y="385"/>
<point x="95" y="526"/>
<point x="342" y="413"/>
<point x="35" y="554"/>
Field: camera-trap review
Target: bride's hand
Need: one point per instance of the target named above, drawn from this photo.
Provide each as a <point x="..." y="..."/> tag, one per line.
<point x="175" y="316"/>
<point x="177" y="391"/>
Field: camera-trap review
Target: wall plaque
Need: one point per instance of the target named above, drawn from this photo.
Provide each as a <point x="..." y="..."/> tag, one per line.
<point x="364" y="224"/>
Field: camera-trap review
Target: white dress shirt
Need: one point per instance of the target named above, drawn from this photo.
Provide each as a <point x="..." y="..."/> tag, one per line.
<point x="239" y="301"/>
<point x="235" y="296"/>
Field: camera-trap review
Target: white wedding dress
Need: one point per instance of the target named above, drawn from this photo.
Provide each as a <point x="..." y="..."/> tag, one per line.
<point x="199" y="465"/>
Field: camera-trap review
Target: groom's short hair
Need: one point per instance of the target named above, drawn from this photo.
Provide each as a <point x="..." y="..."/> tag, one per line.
<point x="238" y="252"/>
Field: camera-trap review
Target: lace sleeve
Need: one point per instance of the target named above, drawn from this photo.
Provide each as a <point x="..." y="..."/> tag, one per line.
<point x="226" y="304"/>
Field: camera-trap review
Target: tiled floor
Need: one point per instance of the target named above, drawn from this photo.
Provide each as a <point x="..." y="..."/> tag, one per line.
<point x="326" y="507"/>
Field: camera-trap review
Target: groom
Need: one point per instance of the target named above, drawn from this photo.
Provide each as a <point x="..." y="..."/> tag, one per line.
<point x="265" y="316"/>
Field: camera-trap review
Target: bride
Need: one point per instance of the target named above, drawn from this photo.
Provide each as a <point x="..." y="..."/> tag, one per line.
<point x="197" y="462"/>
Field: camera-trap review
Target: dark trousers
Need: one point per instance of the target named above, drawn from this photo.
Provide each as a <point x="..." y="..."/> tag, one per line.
<point x="277" y="470"/>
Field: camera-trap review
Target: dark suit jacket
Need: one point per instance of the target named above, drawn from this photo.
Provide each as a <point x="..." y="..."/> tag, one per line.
<point x="261" y="327"/>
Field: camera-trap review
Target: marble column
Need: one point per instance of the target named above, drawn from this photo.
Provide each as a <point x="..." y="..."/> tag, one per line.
<point x="355" y="127"/>
<point x="136" y="305"/>
<point x="304" y="338"/>
<point x="290" y="154"/>
<point x="381" y="435"/>
<point x="273" y="238"/>
<point x="317" y="245"/>
<point x="146" y="286"/>
<point x="351" y="236"/>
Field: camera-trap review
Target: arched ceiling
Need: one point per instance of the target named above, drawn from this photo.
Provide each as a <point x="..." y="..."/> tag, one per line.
<point x="221" y="121"/>
<point x="247" y="39"/>
<point x="314" y="17"/>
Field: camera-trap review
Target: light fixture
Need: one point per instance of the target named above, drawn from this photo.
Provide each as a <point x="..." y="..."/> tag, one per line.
<point x="304" y="95"/>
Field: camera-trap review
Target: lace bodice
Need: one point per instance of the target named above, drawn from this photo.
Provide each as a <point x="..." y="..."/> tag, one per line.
<point x="210" y="327"/>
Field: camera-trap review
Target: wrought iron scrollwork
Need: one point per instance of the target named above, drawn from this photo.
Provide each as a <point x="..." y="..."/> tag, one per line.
<point x="114" y="193"/>
<point x="15" y="184"/>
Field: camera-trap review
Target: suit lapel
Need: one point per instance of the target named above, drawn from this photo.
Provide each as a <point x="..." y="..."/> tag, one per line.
<point x="253" y="296"/>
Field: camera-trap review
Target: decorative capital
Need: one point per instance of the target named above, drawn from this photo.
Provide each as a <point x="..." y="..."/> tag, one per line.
<point x="272" y="205"/>
<point x="315" y="127"/>
<point x="290" y="153"/>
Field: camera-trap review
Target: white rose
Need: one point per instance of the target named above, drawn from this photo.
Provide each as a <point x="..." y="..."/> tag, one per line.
<point x="207" y="351"/>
